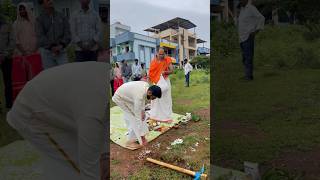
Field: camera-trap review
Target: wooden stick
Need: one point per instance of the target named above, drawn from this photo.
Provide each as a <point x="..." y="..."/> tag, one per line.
<point x="179" y="169"/>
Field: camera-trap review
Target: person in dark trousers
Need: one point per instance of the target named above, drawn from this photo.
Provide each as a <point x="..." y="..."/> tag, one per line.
<point x="53" y="34"/>
<point x="112" y="75"/>
<point x="86" y="32"/>
<point x="126" y="71"/>
<point x="6" y="50"/>
<point x="187" y="69"/>
<point x="136" y="71"/>
<point x="250" y="21"/>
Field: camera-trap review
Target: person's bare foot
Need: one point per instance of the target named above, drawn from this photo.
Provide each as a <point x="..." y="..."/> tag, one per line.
<point x="144" y="141"/>
<point x="132" y="144"/>
<point x="169" y="121"/>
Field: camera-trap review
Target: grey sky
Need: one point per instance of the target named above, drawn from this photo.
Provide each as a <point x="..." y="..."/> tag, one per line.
<point x="142" y="14"/>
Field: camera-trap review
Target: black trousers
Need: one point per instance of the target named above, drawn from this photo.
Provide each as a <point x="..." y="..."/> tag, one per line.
<point x="112" y="86"/>
<point x="6" y="68"/>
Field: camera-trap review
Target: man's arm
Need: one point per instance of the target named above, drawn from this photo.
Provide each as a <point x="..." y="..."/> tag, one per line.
<point x="259" y="18"/>
<point x="73" y="27"/>
<point x="169" y="71"/>
<point x="41" y="35"/>
<point x="129" y="71"/>
<point x="98" y="34"/>
<point x="66" y="33"/>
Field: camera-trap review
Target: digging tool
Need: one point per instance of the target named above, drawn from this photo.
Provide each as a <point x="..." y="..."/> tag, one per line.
<point x="179" y="169"/>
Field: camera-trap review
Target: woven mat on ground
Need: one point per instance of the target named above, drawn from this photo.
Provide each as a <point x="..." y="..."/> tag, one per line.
<point x="118" y="129"/>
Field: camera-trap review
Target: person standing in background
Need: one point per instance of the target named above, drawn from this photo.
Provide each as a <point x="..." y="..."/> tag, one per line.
<point x="86" y="32"/>
<point x="187" y="69"/>
<point x="53" y="34"/>
<point x="250" y="21"/>
<point x="126" y="71"/>
<point x="144" y="74"/>
<point x="26" y="62"/>
<point x="24" y="31"/>
<point x="118" y="80"/>
<point x="136" y="71"/>
<point x="6" y="49"/>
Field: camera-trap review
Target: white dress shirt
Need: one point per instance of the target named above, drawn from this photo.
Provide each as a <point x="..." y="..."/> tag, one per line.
<point x="187" y="68"/>
<point x="250" y="20"/>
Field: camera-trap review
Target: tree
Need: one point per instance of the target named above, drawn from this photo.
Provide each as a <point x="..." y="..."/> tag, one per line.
<point x="203" y="61"/>
<point x="8" y="11"/>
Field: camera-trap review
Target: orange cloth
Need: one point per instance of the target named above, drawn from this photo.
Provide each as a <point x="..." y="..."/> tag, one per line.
<point x="157" y="68"/>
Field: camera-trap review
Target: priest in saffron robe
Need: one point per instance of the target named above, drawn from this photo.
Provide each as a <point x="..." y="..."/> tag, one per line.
<point x="160" y="69"/>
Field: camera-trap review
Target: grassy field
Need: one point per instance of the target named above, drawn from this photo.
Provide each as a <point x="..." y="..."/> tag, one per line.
<point x="7" y="134"/>
<point x="195" y="99"/>
<point x="275" y="118"/>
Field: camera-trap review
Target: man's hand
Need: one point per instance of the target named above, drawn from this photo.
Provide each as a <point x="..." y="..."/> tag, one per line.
<point x="56" y="49"/>
<point x="144" y="141"/>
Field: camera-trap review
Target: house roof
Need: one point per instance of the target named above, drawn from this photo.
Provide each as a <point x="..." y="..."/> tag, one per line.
<point x="173" y="23"/>
<point x="200" y="41"/>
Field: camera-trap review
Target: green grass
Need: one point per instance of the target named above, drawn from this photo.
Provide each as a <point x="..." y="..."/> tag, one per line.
<point x="197" y="97"/>
<point x="198" y="92"/>
<point x="281" y="104"/>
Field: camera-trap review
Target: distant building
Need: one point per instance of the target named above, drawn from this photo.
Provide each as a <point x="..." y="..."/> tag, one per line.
<point x="129" y="46"/>
<point x="202" y="50"/>
<point x="117" y="29"/>
<point x="177" y="31"/>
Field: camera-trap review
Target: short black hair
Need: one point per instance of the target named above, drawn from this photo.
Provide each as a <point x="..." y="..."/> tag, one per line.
<point x="40" y="2"/>
<point x="122" y="61"/>
<point x="136" y="60"/>
<point x="156" y="91"/>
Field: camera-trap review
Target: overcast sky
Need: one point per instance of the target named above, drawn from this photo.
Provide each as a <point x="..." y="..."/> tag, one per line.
<point x="142" y="14"/>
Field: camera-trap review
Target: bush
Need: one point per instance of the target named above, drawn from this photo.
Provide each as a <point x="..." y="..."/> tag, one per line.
<point x="312" y="32"/>
<point x="306" y="58"/>
<point x="8" y="11"/>
<point x="203" y="61"/>
<point x="71" y="53"/>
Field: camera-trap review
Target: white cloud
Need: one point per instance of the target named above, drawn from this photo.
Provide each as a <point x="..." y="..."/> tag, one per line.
<point x="142" y="14"/>
<point x="196" y="6"/>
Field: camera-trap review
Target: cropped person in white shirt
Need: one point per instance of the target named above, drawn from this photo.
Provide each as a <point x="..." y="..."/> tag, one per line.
<point x="250" y="21"/>
<point x="63" y="113"/>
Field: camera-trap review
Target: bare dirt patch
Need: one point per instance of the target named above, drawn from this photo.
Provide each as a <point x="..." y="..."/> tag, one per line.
<point x="125" y="162"/>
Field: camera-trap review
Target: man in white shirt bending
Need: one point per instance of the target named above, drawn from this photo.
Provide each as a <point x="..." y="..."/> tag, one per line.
<point x="250" y="21"/>
<point x="131" y="98"/>
<point x="187" y="69"/>
<point x="63" y="113"/>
